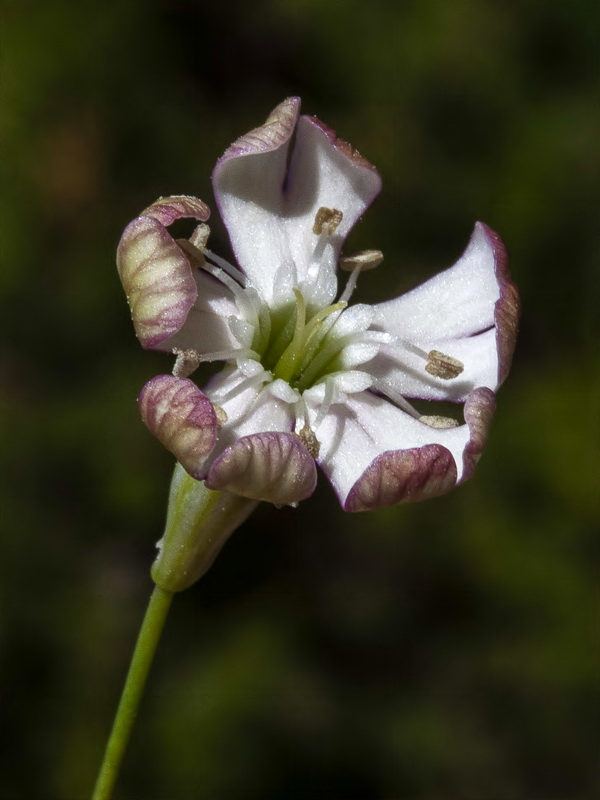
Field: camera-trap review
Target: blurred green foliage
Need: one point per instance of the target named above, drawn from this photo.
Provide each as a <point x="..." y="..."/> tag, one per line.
<point x="436" y="651"/>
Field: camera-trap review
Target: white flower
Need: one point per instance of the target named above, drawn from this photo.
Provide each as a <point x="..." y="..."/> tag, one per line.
<point x="308" y="378"/>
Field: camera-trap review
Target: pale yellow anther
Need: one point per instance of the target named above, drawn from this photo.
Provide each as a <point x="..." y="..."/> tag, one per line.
<point x="199" y="237"/>
<point x="436" y="421"/>
<point x="221" y="415"/>
<point x="442" y="366"/>
<point x="186" y="362"/>
<point x="327" y="221"/>
<point x="309" y="440"/>
<point x="365" y="260"/>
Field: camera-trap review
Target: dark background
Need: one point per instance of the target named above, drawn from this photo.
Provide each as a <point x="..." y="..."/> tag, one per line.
<point x="439" y="651"/>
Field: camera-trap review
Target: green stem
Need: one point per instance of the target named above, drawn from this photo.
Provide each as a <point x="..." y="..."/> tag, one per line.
<point x="143" y="655"/>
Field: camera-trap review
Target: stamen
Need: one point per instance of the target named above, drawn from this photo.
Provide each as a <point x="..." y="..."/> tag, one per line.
<point x="221" y="415"/>
<point x="229" y="355"/>
<point x="327" y="221"/>
<point x="360" y="262"/>
<point x="388" y="390"/>
<point x="309" y="440"/>
<point x="197" y="259"/>
<point x="435" y="421"/>
<point x="262" y="376"/>
<point x="326" y="404"/>
<point x="199" y="237"/>
<point x="365" y="260"/>
<point x="442" y="366"/>
<point x="186" y="362"/>
<point x="244" y="299"/>
<point x="229" y="268"/>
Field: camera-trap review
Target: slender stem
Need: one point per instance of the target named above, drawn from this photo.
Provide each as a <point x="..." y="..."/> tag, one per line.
<point x="143" y="655"/>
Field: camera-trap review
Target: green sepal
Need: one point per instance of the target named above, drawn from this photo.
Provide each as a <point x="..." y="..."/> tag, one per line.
<point x="199" y="522"/>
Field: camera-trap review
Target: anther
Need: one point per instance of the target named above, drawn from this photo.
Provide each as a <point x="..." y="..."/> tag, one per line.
<point x="186" y="362"/>
<point x="199" y="237"/>
<point x="365" y="260"/>
<point x="309" y="440"/>
<point x="221" y="415"/>
<point x="442" y="366"/>
<point x="436" y="421"/>
<point x="327" y="221"/>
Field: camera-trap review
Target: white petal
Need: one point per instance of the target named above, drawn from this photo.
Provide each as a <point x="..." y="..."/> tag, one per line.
<point x="405" y="371"/>
<point x="455" y="303"/>
<point x="250" y="408"/>
<point x="248" y="184"/>
<point x="269" y="209"/>
<point x="324" y="171"/>
<point x="206" y="328"/>
<point x="358" y="353"/>
<point x="352" y="320"/>
<point x="354" y="434"/>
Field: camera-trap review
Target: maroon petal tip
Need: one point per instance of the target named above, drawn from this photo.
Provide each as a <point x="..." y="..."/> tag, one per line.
<point x="182" y="418"/>
<point x="508" y="306"/>
<point x="275" y="467"/>
<point x="351" y="153"/>
<point x="168" y="209"/>
<point x="478" y="411"/>
<point x="403" y="476"/>
<point x="157" y="279"/>
<point x="271" y="135"/>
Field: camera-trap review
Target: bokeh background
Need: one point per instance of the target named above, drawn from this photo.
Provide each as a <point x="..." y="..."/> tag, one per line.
<point x="439" y="651"/>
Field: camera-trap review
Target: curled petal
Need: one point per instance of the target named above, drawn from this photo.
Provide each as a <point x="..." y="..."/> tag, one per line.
<point x="417" y="473"/>
<point x="507" y="308"/>
<point x="324" y="172"/>
<point x="157" y="279"/>
<point x="182" y="418"/>
<point x="401" y="476"/>
<point x="479" y="412"/>
<point x="275" y="467"/>
<point x="274" y="132"/>
<point x="248" y="184"/>
<point x="167" y="209"/>
<point x="155" y="271"/>
<point x="269" y="201"/>
<point x="470" y="312"/>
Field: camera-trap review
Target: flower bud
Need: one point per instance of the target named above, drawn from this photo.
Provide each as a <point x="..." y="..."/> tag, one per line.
<point x="199" y="522"/>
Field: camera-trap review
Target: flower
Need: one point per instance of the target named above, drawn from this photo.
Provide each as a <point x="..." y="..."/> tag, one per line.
<point x="307" y="378"/>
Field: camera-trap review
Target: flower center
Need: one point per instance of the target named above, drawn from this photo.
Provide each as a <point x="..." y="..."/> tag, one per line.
<point x="308" y="338"/>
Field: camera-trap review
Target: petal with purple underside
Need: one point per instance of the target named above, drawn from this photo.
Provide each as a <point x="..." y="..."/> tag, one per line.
<point x="355" y="435"/>
<point x="269" y="207"/>
<point x="402" y="476"/>
<point x="182" y="418"/>
<point x="157" y="279"/>
<point x="325" y="172"/>
<point x="248" y="184"/>
<point x="275" y="467"/>
<point x="508" y="307"/>
<point x="167" y="209"/>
